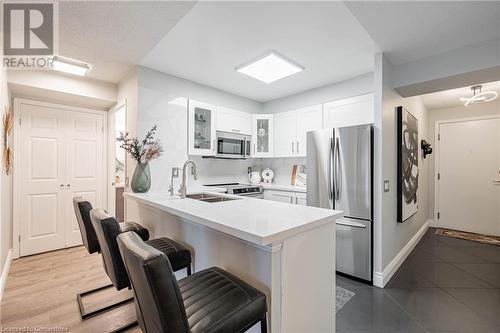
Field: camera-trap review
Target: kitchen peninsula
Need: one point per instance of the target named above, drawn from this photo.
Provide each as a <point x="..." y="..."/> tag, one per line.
<point x="286" y="251"/>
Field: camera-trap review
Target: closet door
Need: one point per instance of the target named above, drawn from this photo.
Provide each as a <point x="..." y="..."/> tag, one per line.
<point x="41" y="179"/>
<point x="84" y="166"/>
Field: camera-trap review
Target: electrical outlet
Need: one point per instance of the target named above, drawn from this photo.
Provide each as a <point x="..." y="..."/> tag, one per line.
<point x="175" y="172"/>
<point x="386" y="186"/>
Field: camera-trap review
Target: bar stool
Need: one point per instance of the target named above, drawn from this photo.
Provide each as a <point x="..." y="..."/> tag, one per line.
<point x="211" y="300"/>
<point x="89" y="238"/>
<point x="107" y="229"/>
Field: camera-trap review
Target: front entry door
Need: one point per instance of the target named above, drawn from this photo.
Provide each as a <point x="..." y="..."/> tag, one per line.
<point x="469" y="164"/>
<point x="61" y="156"/>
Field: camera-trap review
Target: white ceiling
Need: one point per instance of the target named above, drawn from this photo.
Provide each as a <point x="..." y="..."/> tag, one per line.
<point x="113" y="36"/>
<point x="204" y="42"/>
<point x="215" y="37"/>
<point x="451" y="98"/>
<point x="410" y="30"/>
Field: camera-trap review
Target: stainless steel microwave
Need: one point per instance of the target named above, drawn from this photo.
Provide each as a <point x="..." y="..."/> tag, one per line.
<point x="231" y="145"/>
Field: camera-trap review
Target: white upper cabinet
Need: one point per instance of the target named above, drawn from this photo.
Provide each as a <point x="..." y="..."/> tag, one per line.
<point x="285" y="128"/>
<point x="262" y="135"/>
<point x="349" y="112"/>
<point x="308" y="119"/>
<point x="229" y="120"/>
<point x="290" y="130"/>
<point x="202" y="122"/>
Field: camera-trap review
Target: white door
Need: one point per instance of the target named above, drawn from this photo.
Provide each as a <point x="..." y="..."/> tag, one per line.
<point x="262" y="135"/>
<point x="60" y="156"/>
<point x="349" y="112"/>
<point x="84" y="166"/>
<point x="229" y="120"/>
<point x="308" y="119"/>
<point x="469" y="162"/>
<point x="285" y="129"/>
<point x="42" y="182"/>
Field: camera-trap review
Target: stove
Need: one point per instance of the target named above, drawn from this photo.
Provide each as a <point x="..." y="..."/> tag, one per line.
<point x="247" y="190"/>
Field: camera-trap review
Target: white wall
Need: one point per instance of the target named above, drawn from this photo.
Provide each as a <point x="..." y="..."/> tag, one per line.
<point x="155" y="90"/>
<point x="390" y="235"/>
<point x="464" y="66"/>
<point x="474" y="110"/>
<point x="5" y="181"/>
<point x="62" y="88"/>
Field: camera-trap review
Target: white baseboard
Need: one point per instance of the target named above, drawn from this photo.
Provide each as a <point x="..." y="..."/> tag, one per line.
<point x="5" y="272"/>
<point x="380" y="279"/>
<point x="432" y="223"/>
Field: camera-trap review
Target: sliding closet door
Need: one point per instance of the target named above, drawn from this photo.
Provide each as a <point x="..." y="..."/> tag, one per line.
<point x="84" y="166"/>
<point x="42" y="179"/>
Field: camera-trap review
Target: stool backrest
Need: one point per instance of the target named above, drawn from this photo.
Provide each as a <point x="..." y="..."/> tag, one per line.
<point x="159" y="303"/>
<point x="107" y="228"/>
<point x="82" y="211"/>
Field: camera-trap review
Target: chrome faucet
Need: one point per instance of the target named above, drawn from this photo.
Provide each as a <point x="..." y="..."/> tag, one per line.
<point x="182" y="190"/>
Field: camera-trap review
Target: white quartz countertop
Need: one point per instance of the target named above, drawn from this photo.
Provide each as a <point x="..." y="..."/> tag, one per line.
<point x="261" y="222"/>
<point x="284" y="187"/>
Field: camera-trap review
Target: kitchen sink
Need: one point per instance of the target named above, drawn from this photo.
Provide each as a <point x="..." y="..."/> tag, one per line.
<point x="209" y="197"/>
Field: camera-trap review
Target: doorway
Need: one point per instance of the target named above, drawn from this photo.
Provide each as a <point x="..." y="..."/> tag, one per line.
<point x="117" y="118"/>
<point x="468" y="170"/>
<point x="59" y="155"/>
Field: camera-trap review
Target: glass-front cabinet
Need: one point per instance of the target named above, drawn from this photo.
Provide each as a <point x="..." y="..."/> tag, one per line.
<point x="201" y="128"/>
<point x="262" y="135"/>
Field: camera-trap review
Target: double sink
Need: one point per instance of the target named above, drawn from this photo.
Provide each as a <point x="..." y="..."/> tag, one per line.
<point x="205" y="197"/>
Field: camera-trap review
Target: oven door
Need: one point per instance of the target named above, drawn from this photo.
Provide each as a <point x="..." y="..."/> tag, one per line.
<point x="231" y="145"/>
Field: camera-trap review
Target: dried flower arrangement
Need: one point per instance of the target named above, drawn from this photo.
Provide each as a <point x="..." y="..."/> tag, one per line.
<point x="8" y="122"/>
<point x="148" y="149"/>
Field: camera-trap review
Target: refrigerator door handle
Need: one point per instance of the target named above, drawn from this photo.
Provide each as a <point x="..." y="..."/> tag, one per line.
<point x="330" y="158"/>
<point x="336" y="168"/>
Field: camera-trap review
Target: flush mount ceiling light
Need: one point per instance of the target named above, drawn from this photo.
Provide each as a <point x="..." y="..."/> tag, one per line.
<point x="179" y="101"/>
<point x="479" y="96"/>
<point x="270" y="68"/>
<point x="71" y="66"/>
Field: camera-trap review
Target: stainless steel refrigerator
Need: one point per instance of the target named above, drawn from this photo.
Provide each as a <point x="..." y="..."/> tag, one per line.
<point x="339" y="176"/>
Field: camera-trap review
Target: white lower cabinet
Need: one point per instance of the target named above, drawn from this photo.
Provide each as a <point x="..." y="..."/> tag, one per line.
<point x="295" y="198"/>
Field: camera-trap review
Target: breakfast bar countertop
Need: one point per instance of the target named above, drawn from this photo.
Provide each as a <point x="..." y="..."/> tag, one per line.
<point x="261" y="222"/>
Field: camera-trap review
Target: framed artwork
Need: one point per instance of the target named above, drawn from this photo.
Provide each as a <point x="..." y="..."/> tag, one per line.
<point x="407" y="151"/>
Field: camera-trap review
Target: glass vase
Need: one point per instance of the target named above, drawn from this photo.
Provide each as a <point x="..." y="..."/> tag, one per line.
<point x="141" y="180"/>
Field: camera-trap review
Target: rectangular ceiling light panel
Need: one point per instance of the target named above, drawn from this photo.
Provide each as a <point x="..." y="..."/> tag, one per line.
<point x="270" y="68"/>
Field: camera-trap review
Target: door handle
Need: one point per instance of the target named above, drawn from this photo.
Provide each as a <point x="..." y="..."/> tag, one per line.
<point x="329" y="182"/>
<point x="68" y="186"/>
<point x="297" y="147"/>
<point x="293" y="152"/>
<point x="336" y="168"/>
<point x="61" y="186"/>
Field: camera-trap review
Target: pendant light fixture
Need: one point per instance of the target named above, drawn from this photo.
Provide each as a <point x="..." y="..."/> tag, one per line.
<point x="479" y="96"/>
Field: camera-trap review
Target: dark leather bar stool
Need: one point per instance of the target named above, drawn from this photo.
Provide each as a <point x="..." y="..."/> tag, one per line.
<point x="82" y="211"/>
<point x="107" y="229"/>
<point x="211" y="300"/>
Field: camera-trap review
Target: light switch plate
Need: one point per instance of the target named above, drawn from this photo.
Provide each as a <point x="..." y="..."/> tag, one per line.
<point x="386" y="185"/>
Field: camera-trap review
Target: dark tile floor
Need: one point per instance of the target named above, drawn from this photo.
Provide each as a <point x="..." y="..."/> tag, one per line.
<point x="445" y="285"/>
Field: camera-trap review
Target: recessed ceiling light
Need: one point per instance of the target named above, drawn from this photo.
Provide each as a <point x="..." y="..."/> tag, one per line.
<point x="270" y="68"/>
<point x="71" y="66"/>
<point x="479" y="96"/>
<point x="179" y="101"/>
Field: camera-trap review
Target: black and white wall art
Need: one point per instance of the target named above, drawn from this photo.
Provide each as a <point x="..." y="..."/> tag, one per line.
<point x="407" y="151"/>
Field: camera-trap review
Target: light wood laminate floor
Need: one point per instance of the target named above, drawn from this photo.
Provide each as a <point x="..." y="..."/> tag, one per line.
<point x="41" y="292"/>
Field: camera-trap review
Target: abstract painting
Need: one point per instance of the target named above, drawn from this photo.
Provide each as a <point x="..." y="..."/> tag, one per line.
<point x="407" y="164"/>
